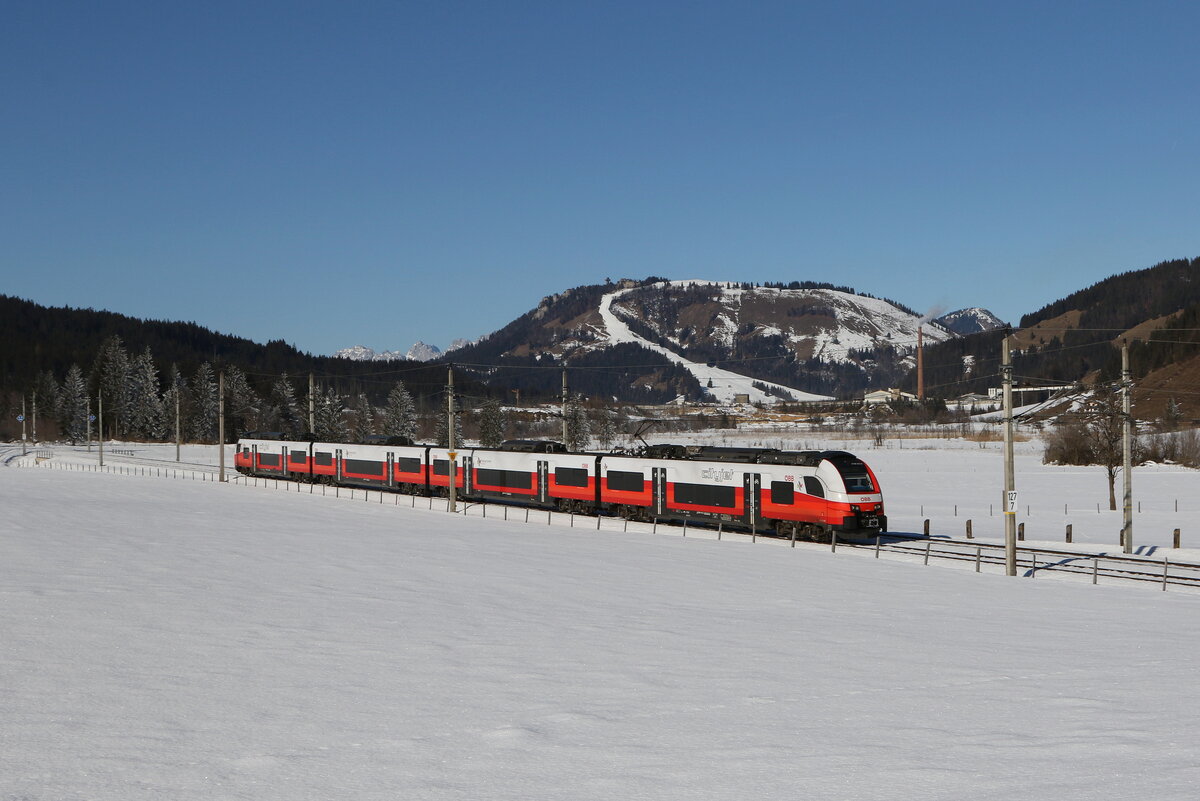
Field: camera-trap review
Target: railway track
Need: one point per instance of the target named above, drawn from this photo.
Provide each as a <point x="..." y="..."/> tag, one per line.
<point x="1032" y="562"/>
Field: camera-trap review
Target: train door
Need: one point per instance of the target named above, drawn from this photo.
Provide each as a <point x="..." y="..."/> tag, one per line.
<point x="543" y="482"/>
<point x="659" y="478"/>
<point x="751" y="487"/>
<point x="468" y="479"/>
<point x="254" y="459"/>
<point x="337" y="460"/>
<point x="391" y="469"/>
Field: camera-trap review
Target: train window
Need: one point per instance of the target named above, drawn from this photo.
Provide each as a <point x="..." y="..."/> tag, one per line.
<point x="441" y="467"/>
<point x="323" y="459"/>
<point x="268" y="459"/>
<point x="364" y="467"/>
<point x="570" y="477"/>
<point x="299" y="456"/>
<point x="782" y="492"/>
<point x="509" y="479"/>
<point x="859" y="483"/>
<point x="706" y="495"/>
<point x="626" y="481"/>
<point x="813" y="486"/>
<point x="407" y="464"/>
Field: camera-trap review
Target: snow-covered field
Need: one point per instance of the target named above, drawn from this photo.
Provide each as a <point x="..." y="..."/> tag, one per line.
<point x="177" y="638"/>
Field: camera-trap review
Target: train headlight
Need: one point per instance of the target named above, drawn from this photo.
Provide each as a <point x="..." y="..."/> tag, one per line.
<point x="855" y="508"/>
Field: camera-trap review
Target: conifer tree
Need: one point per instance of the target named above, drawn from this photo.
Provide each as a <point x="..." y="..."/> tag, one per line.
<point x="243" y="409"/>
<point x="491" y="424"/>
<point x="364" y="419"/>
<point x="399" y="416"/>
<point x="110" y="375"/>
<point x="145" y="408"/>
<point x="45" y="400"/>
<point x="202" y="425"/>
<point x="606" y="428"/>
<point x="72" y="406"/>
<point x="578" y="431"/>
<point x="329" y="415"/>
<point x="283" y="399"/>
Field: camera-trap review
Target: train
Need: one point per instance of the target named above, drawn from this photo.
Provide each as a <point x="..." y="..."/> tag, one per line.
<point x="807" y="494"/>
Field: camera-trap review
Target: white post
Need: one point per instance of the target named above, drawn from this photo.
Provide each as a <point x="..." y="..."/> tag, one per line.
<point x="100" y="424"/>
<point x="24" y="450"/>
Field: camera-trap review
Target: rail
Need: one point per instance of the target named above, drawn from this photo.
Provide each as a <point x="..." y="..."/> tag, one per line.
<point x="1032" y="561"/>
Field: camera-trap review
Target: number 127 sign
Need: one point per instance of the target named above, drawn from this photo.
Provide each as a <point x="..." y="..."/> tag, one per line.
<point x="1010" y="502"/>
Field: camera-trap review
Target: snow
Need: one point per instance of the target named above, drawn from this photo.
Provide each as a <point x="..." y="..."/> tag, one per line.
<point x="189" y="639"/>
<point x="726" y="385"/>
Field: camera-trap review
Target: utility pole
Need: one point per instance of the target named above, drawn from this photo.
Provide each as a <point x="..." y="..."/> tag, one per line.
<point x="89" y="422"/>
<point x="564" y="406"/>
<point x="312" y="407"/>
<point x="450" y="433"/>
<point x="221" y="425"/>
<point x="35" y="416"/>
<point x="178" y="436"/>
<point x="24" y="450"/>
<point x="100" y="424"/>
<point x="1010" y="491"/>
<point x="1127" y="444"/>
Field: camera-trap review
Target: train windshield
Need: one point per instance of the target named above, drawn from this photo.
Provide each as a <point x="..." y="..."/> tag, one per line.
<point x="855" y="474"/>
<point x="858" y="483"/>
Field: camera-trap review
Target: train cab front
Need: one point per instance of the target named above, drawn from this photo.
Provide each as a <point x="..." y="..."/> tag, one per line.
<point x="860" y="511"/>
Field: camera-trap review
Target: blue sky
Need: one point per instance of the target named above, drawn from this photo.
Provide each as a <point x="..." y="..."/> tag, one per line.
<point x="381" y="172"/>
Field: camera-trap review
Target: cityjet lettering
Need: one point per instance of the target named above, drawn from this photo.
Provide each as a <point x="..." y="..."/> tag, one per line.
<point x="716" y="474"/>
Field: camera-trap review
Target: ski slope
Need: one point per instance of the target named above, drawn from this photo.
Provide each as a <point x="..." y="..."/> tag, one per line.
<point x="726" y="385"/>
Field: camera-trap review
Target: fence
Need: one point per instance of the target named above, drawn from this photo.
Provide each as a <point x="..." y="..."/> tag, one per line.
<point x="1032" y="561"/>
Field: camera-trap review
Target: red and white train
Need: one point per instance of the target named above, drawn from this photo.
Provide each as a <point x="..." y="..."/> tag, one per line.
<point x="807" y="493"/>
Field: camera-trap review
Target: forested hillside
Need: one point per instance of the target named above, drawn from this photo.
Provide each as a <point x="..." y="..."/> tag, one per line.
<point x="78" y="352"/>
<point x="1077" y="338"/>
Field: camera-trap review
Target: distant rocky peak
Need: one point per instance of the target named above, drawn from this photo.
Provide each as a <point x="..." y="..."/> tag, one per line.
<point x="970" y="321"/>
<point x="422" y="352"/>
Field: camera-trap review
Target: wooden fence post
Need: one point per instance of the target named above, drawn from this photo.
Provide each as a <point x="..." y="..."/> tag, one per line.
<point x="926" y="527"/>
<point x="970" y="534"/>
<point x="1176" y="538"/>
<point x="1021" y="531"/>
<point x="1068" y="532"/>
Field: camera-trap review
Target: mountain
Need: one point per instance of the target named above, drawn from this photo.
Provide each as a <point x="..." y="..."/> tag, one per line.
<point x="361" y="353"/>
<point x="421" y="352"/>
<point x="717" y="340"/>
<point x="1077" y="339"/>
<point x="970" y="321"/>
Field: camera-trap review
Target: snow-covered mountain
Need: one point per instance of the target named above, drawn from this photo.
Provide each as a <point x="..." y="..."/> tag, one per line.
<point x="361" y="353"/>
<point x="970" y="321"/>
<point x="800" y="341"/>
<point x="422" y="352"/>
<point x="419" y="352"/>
